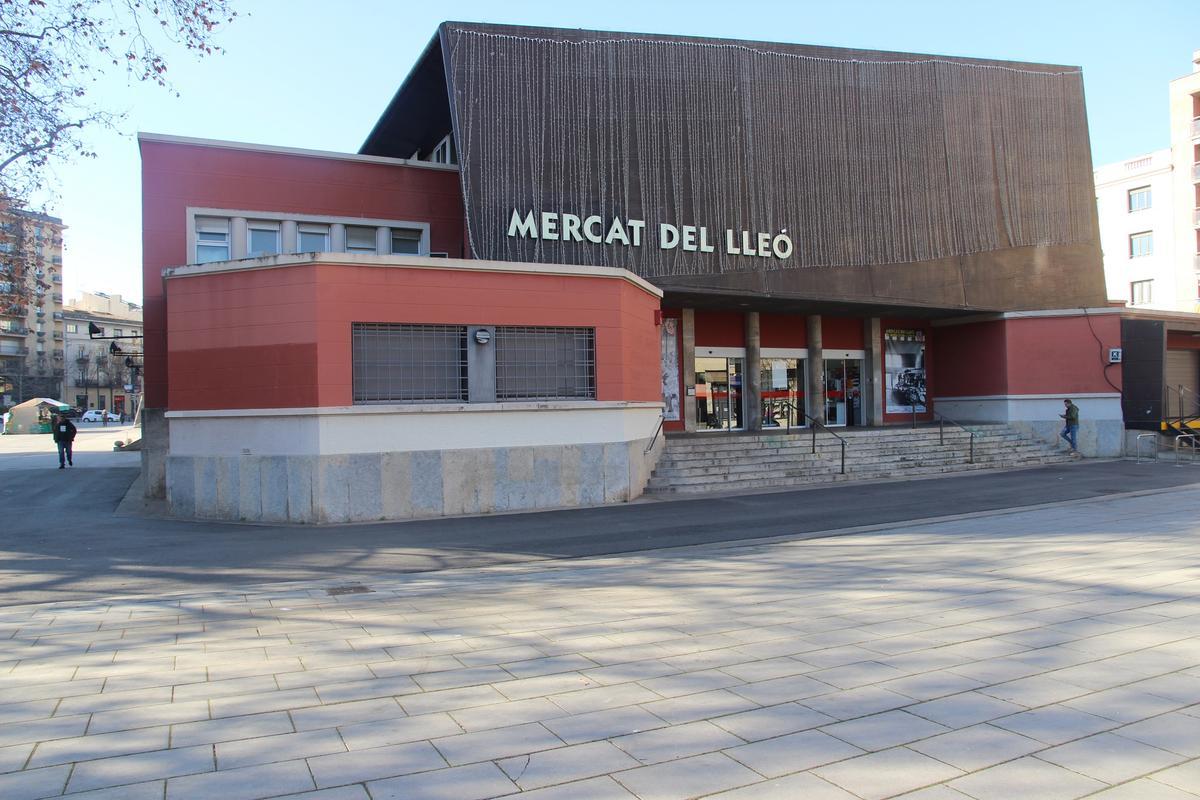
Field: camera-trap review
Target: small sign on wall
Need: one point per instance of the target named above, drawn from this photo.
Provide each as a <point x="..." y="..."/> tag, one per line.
<point x="1114" y="355"/>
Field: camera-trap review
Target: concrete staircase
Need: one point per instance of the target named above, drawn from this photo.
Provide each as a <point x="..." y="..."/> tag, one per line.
<point x="706" y="463"/>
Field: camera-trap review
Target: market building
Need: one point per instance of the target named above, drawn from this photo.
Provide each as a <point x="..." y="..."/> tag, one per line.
<point x="556" y="244"/>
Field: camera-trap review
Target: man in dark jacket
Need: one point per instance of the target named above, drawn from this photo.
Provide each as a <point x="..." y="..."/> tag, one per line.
<point x="64" y="435"/>
<point x="1070" y="429"/>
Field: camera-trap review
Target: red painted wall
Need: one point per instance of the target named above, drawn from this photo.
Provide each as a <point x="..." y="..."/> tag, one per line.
<point x="280" y="338"/>
<point x="782" y="330"/>
<point x="1182" y="340"/>
<point x="1062" y="355"/>
<point x="1032" y="355"/>
<point x="972" y="359"/>
<point x="176" y="176"/>
<point x="720" y="329"/>
<point x="842" y="333"/>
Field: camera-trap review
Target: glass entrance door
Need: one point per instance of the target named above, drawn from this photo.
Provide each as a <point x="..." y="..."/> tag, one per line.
<point x="782" y="382"/>
<point x="719" y="393"/>
<point x="843" y="398"/>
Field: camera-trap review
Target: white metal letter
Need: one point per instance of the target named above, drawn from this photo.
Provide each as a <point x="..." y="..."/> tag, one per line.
<point x="570" y="228"/>
<point x="589" y="224"/>
<point x="526" y="227"/>
<point x="549" y="225"/>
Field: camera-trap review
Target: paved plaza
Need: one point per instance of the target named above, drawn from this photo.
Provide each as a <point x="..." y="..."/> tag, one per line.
<point x="1048" y="653"/>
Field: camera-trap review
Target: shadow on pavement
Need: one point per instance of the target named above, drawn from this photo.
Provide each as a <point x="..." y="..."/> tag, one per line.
<point x="60" y="539"/>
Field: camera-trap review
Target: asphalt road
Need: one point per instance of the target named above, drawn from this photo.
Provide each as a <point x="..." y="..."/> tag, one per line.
<point x="60" y="538"/>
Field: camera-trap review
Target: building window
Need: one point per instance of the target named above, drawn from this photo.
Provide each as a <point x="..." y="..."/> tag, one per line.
<point x="1139" y="292"/>
<point x="1139" y="198"/>
<point x="1141" y="244"/>
<point x="409" y="363"/>
<point x="406" y="241"/>
<point x="360" y="240"/>
<point x="118" y="332"/>
<point x="212" y="239"/>
<point x="262" y="239"/>
<point x="72" y="328"/>
<point x="445" y="152"/>
<point x="545" y="363"/>
<point x="313" y="238"/>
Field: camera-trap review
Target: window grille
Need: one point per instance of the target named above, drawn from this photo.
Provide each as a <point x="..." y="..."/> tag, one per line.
<point x="545" y="363"/>
<point x="409" y="363"/>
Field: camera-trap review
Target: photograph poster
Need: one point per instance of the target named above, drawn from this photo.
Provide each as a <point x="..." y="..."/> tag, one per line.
<point x="904" y="369"/>
<point x="670" y="369"/>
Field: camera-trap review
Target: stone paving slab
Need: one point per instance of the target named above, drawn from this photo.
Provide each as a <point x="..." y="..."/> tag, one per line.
<point x="1050" y="653"/>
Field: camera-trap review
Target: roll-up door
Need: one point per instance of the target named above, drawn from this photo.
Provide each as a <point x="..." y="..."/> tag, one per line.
<point x="1182" y="369"/>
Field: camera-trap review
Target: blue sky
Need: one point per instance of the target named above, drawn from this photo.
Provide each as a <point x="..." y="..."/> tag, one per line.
<point x="315" y="74"/>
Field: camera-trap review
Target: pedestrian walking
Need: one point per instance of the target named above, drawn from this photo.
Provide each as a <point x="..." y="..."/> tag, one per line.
<point x="64" y="436"/>
<point x="1070" y="430"/>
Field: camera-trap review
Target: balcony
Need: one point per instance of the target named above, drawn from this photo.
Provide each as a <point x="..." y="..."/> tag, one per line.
<point x="57" y="297"/>
<point x="58" y="355"/>
<point x="13" y="311"/>
<point x="57" y="278"/>
<point x="14" y="330"/>
<point x="58" y="315"/>
<point x="14" y="351"/>
<point x="58" y="336"/>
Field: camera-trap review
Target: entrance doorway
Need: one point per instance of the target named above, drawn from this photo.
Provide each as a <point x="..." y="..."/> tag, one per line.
<point x="843" y="398"/>
<point x="719" y="393"/>
<point x="782" y="382"/>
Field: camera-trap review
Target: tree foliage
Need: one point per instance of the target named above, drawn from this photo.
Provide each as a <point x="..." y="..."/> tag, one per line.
<point x="53" y="53"/>
<point x="53" y="56"/>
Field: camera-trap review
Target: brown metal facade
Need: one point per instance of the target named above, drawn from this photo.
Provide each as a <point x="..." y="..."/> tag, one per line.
<point x="907" y="181"/>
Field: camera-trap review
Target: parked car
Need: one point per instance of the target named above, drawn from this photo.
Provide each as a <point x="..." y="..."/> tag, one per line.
<point x="98" y="414"/>
<point x="72" y="413"/>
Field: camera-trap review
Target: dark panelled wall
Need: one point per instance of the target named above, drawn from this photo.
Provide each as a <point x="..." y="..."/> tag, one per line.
<point x="1142" y="341"/>
<point x="904" y="179"/>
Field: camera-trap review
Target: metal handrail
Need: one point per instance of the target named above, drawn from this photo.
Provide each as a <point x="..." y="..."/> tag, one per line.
<point x="815" y="424"/>
<point x="1192" y="446"/>
<point x="1181" y="390"/>
<point x="942" y="420"/>
<point x="1153" y="437"/>
<point x="662" y="418"/>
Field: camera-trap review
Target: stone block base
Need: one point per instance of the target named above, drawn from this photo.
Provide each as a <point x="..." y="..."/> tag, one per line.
<point x="365" y="487"/>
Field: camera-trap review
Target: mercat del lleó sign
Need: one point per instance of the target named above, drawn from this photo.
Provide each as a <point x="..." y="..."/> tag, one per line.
<point x="556" y="226"/>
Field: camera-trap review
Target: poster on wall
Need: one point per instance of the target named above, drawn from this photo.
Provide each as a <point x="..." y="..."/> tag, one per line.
<point x="904" y="369"/>
<point x="670" y="369"/>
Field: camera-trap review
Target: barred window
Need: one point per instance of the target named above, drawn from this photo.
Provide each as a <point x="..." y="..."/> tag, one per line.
<point x="409" y="363"/>
<point x="545" y="363"/>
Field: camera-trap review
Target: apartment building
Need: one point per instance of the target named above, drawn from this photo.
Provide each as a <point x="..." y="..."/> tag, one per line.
<point x="1137" y="227"/>
<point x="1184" y="94"/>
<point x="97" y="375"/>
<point x="1149" y="212"/>
<point x="31" y="324"/>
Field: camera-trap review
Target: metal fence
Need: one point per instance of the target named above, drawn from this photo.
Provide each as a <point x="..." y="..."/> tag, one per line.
<point x="409" y="363"/>
<point x="545" y="363"/>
